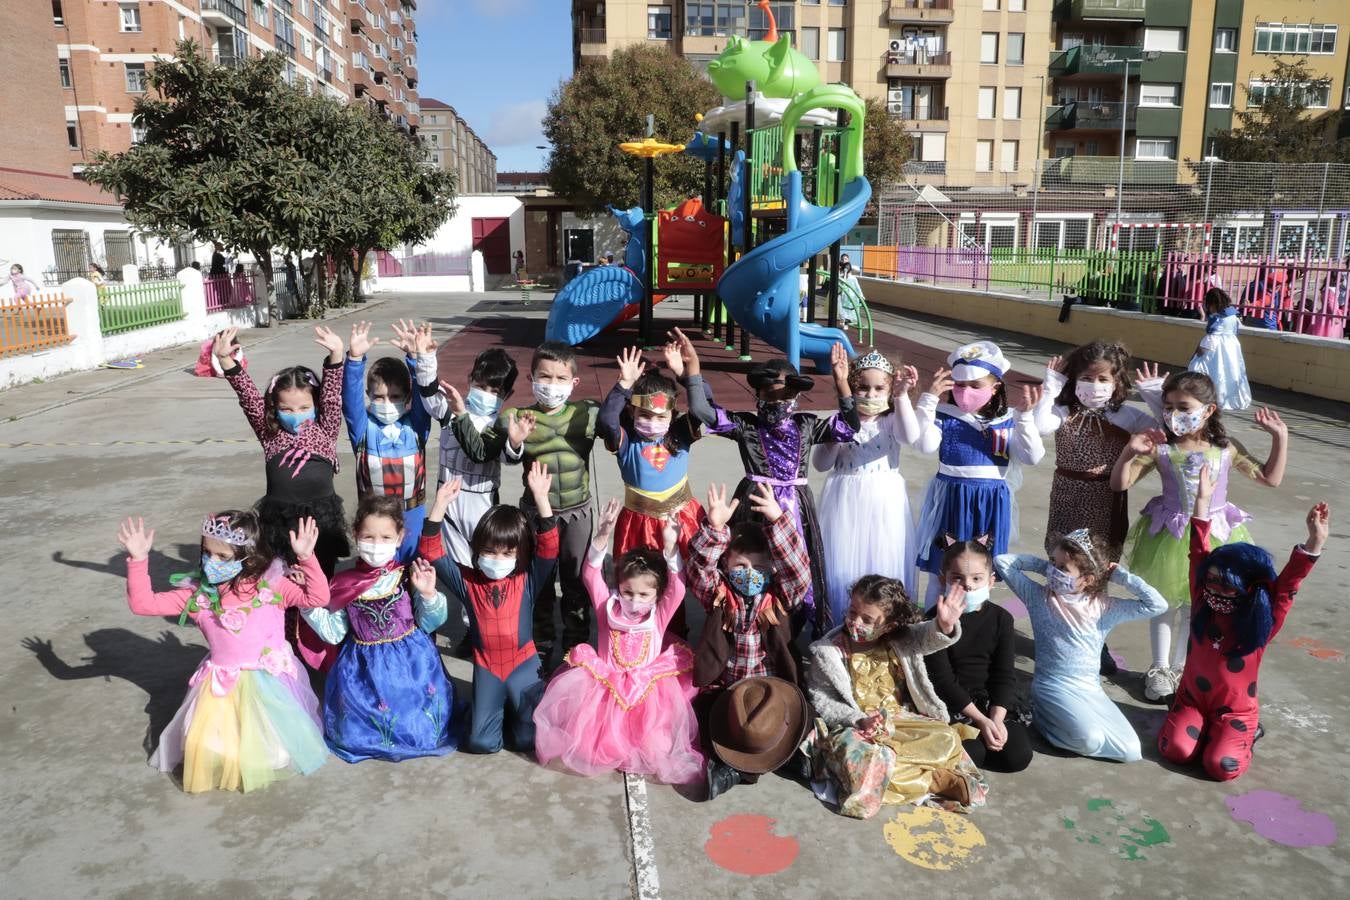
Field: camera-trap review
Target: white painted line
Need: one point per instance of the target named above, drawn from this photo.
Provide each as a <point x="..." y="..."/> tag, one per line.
<point x="640" y="833"/>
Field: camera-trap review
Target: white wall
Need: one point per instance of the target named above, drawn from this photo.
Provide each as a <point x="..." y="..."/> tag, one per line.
<point x="26" y="236"/>
<point x="456" y="235"/>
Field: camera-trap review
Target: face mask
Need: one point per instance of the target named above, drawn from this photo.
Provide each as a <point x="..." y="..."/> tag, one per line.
<point x="975" y="599"/>
<point x="375" y="554"/>
<point x="635" y="609"/>
<point x="551" y="396"/>
<point x="874" y="406"/>
<point x="748" y="582"/>
<point x="1094" y="394"/>
<point x="219" y="571"/>
<point x="1183" y="424"/>
<point x="1061" y="582"/>
<point x="771" y="412"/>
<point x="495" y="568"/>
<point x="482" y="403"/>
<point x="385" y="412"/>
<point x="862" y="633"/>
<point x="969" y="399"/>
<point x="292" y="422"/>
<point x="1219" y="603"/>
<point x="652" y="429"/>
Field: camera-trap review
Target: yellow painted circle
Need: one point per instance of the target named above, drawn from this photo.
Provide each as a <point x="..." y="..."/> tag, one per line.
<point x="933" y="838"/>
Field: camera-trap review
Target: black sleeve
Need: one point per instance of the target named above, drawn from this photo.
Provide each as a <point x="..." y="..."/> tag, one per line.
<point x="943" y="676"/>
<point x="609" y="422"/>
<point x="1003" y="665"/>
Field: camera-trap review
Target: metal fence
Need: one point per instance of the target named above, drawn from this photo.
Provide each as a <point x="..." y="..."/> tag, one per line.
<point x="127" y="307"/>
<point x="231" y="291"/>
<point x="397" y="266"/>
<point x="37" y="322"/>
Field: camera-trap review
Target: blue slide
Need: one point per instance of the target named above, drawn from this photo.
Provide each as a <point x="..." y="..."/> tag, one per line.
<point x="589" y="303"/>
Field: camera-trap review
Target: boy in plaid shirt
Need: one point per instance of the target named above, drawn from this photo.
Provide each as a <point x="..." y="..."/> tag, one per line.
<point x="750" y="582"/>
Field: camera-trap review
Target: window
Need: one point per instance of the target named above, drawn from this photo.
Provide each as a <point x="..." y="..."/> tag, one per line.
<point x="784" y="14"/>
<point x="1279" y="37"/>
<point x="991" y="5"/>
<point x="1155" y="148"/>
<point x="932" y="147"/>
<point x="1221" y="94"/>
<point x="1225" y="40"/>
<point x="63" y="66"/>
<point x="1165" y="39"/>
<point x="1008" y="156"/>
<point x="1064" y="149"/>
<point x="838" y="46"/>
<point x="135" y="78"/>
<point x="715" y="17"/>
<point x="130" y="17"/>
<point x="306" y="46"/>
<point x="811" y="43"/>
<point x="58" y="16"/>
<point x="1016" y="42"/>
<point x="984" y="156"/>
<point x="137" y="133"/>
<point x="1012" y="103"/>
<point x="985" y="109"/>
<point x="1313" y="96"/>
<point x="1017" y="5"/>
<point x="73" y="134"/>
<point x="658" y="22"/>
<point x="1063" y="234"/>
<point x="1296" y="237"/>
<point x="1159" y="94"/>
<point x="436" y="158"/>
<point x="989" y="47"/>
<point x="839" y="2"/>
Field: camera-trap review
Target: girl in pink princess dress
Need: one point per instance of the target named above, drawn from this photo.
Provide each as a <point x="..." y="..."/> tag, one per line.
<point x="627" y="707"/>
<point x="249" y="717"/>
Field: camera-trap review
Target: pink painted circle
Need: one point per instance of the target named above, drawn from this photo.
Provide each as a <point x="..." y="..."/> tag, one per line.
<point x="1282" y="819"/>
<point x="747" y="845"/>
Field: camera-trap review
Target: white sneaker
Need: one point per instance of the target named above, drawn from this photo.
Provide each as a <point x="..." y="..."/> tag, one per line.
<point x="1159" y="683"/>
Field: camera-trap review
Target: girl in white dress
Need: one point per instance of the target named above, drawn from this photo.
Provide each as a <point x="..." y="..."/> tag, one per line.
<point x="1220" y="353"/>
<point x="865" y="520"/>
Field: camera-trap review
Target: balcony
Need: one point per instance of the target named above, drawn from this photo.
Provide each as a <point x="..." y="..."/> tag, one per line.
<point x="1085" y="116"/>
<point x="227" y="59"/>
<point x="1106" y="10"/>
<point x="918" y="63"/>
<point x="1095" y="60"/>
<point x="224" y="13"/>
<point x="932" y="11"/>
<point x="592" y="41"/>
<point x="1070" y="171"/>
<point x="918" y="117"/>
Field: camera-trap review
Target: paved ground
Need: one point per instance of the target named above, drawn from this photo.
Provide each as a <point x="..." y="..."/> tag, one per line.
<point x="88" y="684"/>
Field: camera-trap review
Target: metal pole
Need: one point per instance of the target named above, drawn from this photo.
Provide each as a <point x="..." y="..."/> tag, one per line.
<point x="649" y="205"/>
<point x="1036" y="166"/>
<point x="710" y="309"/>
<point x="1124" y="111"/>
<point x="813" y="267"/>
<point x="832" y="317"/>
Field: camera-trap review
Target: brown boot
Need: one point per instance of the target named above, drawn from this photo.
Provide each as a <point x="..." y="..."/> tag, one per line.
<point x="950" y="784"/>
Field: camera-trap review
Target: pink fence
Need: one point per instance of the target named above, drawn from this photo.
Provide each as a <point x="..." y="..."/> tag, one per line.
<point x="1297" y="295"/>
<point x="229" y="292"/>
<point x="391" y="266"/>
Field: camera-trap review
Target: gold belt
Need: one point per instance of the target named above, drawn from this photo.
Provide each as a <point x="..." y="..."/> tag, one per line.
<point x="646" y="505"/>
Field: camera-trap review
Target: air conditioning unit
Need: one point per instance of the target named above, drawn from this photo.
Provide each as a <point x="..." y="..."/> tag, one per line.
<point x="895" y="107"/>
<point x="895" y="96"/>
<point x="895" y="46"/>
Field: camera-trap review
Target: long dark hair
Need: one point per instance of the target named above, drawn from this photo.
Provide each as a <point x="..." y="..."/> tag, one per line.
<point x="301" y="377"/>
<point x="1200" y="387"/>
<point x="1249" y="570"/>
<point x="1115" y="354"/>
<point x="505" y="527"/>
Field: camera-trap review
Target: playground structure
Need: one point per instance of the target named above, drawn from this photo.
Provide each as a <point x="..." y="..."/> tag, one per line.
<point x="783" y="183"/>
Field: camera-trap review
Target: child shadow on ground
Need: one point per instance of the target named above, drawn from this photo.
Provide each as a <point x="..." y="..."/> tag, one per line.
<point x="159" y="667"/>
<point x="162" y="565"/>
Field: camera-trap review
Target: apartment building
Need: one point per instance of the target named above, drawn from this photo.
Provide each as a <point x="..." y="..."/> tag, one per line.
<point x="452" y="145"/>
<point x="361" y="50"/>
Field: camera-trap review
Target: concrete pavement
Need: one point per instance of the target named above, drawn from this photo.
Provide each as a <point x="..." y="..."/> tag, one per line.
<point x="87" y="684"/>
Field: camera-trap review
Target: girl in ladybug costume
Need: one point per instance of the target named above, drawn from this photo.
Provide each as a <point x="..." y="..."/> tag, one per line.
<point x="1239" y="606"/>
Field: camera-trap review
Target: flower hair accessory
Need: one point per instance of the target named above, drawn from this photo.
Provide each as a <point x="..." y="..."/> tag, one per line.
<point x="219" y="528"/>
<point x="871" y="360"/>
<point x="1081" y="539"/>
<point x="657" y="402"/>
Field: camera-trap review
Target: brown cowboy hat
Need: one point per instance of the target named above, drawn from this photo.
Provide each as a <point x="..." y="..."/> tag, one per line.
<point x="757" y="723"/>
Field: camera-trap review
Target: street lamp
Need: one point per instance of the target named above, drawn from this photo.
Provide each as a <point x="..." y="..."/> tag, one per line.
<point x="1124" y="112"/>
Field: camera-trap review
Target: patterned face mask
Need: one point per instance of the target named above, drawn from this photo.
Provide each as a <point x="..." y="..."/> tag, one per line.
<point x="748" y="582"/>
<point x="771" y="412"/>
<point x="1183" y="423"/>
<point x="551" y="396"/>
<point x="219" y="571"/>
<point x="1094" y="394"/>
<point x="863" y="633"/>
<point x="1219" y="603"/>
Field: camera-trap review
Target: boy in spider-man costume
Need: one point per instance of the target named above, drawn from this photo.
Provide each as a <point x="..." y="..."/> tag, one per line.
<point x="1238" y="606"/>
<point x="510" y="566"/>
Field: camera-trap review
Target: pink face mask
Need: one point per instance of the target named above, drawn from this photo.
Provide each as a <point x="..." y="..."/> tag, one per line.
<point x="969" y="399"/>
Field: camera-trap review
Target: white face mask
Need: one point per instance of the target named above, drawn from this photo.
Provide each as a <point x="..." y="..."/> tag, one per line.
<point x="495" y="568"/>
<point x="1094" y="394"/>
<point x="551" y="396"/>
<point x="386" y="413"/>
<point x="375" y="553"/>
<point x="976" y="598"/>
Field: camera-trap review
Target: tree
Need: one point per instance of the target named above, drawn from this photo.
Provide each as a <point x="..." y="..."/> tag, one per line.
<point x="1278" y="129"/>
<point x="886" y="149"/>
<point x="607" y="103"/>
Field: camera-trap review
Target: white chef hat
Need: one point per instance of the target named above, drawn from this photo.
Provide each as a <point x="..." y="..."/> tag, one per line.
<point x="976" y="360"/>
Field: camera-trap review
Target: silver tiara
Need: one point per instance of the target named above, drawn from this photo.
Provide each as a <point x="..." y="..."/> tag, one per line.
<point x="220" y="530"/>
<point x="1082" y="539"/>
<point x="872" y="360"/>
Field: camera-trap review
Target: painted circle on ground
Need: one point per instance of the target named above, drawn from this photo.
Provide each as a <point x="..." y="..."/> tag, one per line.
<point x="1282" y="819"/>
<point x="747" y="845"/>
<point x="933" y="838"/>
<point x="1014" y="606"/>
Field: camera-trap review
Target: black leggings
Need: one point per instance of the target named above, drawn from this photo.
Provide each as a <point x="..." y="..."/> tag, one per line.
<point x="1014" y="757"/>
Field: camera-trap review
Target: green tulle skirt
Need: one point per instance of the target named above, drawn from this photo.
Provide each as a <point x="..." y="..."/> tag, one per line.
<point x="1164" y="561"/>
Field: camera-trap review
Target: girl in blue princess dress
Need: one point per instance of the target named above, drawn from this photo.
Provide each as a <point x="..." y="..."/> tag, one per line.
<point x="979" y="442"/>
<point x="1219" y="354"/>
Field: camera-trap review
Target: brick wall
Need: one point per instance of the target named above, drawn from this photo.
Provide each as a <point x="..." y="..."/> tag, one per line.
<point x="35" y="121"/>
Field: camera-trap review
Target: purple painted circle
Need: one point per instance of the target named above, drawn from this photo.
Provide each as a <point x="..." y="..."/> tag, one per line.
<point x="1014" y="606"/>
<point x="1282" y="819"/>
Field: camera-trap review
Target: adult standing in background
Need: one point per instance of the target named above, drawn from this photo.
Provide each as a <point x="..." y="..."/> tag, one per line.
<point x="217" y="259"/>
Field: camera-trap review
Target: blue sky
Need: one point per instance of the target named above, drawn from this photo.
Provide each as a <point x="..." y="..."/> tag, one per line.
<point x="496" y="62"/>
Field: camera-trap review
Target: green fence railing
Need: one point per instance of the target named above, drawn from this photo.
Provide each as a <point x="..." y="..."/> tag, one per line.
<point x="127" y="307"/>
<point x="766" y="165"/>
<point x="1097" y="276"/>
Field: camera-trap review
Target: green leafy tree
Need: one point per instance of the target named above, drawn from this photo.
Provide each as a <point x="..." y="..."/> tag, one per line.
<point x="607" y="103"/>
<point x="886" y="146"/>
<point x="1279" y="130"/>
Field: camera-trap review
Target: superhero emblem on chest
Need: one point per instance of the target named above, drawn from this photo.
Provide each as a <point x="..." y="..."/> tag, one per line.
<point x="657" y="456"/>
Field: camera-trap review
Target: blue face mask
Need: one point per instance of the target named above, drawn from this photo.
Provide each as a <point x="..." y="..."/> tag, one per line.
<point x="482" y="403"/>
<point x="976" y="599"/>
<point x="292" y="422"/>
<point x="749" y="582"/>
<point x="218" y="571"/>
<point x="495" y="568"/>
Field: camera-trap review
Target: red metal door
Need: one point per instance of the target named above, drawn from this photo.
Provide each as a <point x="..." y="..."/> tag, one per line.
<point x="493" y="238"/>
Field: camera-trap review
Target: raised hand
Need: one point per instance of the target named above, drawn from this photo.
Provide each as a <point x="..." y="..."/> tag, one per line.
<point x="405" y="336"/>
<point x="1145" y="442"/>
<point x="719" y="510"/>
<point x="423" y="577"/>
<point x="135" y="538"/>
<point x="1031" y="395"/>
<point x="631" y="366"/>
<point x="453" y="397"/>
<point x="839" y="369"/>
<point x="361" y="341"/>
<point x="1148" y="372"/>
<point x="674" y="361"/>
<point x="223" y="346"/>
<point x="539" y="481"/>
<point x="688" y="352"/>
<point x="1204" y="483"/>
<point x="609" y="517"/>
<point x="518" y="427"/>
<point x="328" y="340"/>
<point x="1319" y="528"/>
<point x="765" y="503"/>
<point x="303" y="538"/>
<point x="1056" y="364"/>
<point x="906" y="377"/>
<point x="445" y="495"/>
<point x="950" y="606"/>
<point x="942" y="382"/>
<point x="670" y="534"/>
<point x="1269" y="421"/>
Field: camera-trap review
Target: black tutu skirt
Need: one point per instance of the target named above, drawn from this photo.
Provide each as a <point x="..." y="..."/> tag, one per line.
<point x="278" y="517"/>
